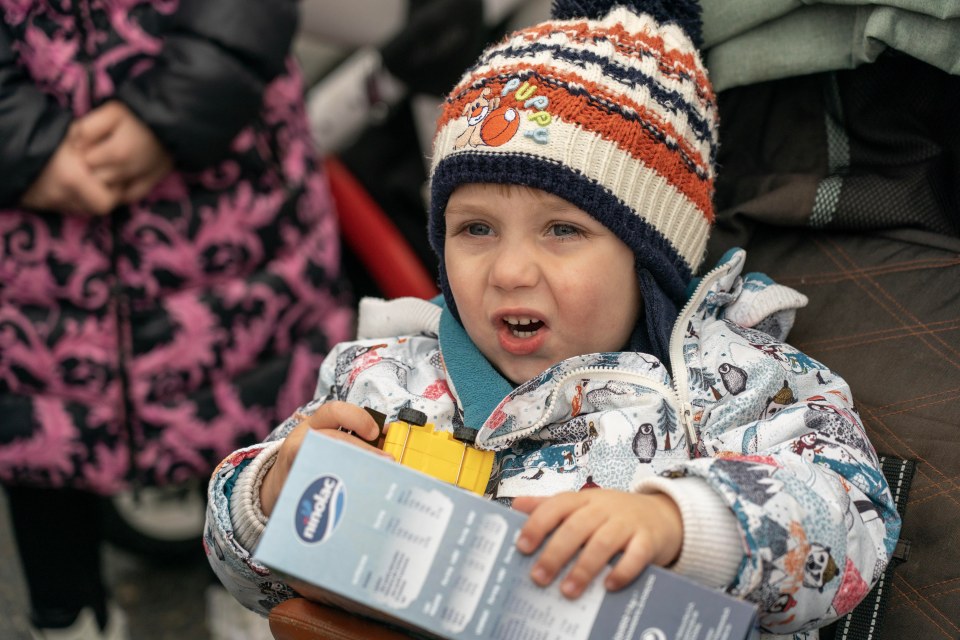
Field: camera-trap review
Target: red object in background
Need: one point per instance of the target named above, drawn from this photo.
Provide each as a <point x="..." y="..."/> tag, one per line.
<point x="372" y="236"/>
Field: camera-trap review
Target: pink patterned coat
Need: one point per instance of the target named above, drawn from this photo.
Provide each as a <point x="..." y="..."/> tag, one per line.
<point x="145" y="346"/>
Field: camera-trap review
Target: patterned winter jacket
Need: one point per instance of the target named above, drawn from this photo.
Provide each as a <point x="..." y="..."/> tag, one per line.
<point x="146" y="345"/>
<point x="782" y="500"/>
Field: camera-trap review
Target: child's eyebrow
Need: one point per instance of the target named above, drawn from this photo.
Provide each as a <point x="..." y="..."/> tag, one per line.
<point x="462" y="210"/>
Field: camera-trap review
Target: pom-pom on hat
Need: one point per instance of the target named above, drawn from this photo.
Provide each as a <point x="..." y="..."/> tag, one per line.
<point x="607" y="105"/>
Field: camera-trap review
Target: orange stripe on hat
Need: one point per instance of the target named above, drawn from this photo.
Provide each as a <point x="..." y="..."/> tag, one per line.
<point x="464" y="93"/>
<point x="630" y="44"/>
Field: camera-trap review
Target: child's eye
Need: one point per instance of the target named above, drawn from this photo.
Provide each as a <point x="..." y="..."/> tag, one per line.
<point x="478" y="229"/>
<point x="563" y="230"/>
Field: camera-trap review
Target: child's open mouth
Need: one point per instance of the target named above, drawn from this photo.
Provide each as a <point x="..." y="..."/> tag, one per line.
<point x="521" y="326"/>
<point x="522" y="335"/>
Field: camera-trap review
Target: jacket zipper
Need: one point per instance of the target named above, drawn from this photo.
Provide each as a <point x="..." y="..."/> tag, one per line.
<point x="121" y="311"/>
<point x="680" y="377"/>
<point x="608" y="374"/>
<point x="678" y="394"/>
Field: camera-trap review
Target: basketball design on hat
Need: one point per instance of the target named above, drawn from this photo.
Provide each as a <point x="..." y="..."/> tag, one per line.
<point x="498" y="127"/>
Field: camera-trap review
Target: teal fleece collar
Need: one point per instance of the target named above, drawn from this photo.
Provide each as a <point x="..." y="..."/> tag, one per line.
<point x="480" y="387"/>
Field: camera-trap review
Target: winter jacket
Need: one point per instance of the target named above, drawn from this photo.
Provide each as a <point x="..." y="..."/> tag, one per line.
<point x="145" y="345"/>
<point x="780" y="492"/>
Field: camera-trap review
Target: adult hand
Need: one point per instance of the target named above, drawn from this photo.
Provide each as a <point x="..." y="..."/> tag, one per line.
<point x="328" y="420"/>
<point x="599" y="523"/>
<point x="67" y="184"/>
<point x="122" y="151"/>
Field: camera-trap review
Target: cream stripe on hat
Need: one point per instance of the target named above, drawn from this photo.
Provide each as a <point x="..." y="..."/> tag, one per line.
<point x="635" y="184"/>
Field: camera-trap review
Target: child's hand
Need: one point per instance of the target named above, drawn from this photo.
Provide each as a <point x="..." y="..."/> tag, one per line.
<point x="646" y="528"/>
<point x="67" y="184"/>
<point x="328" y="419"/>
<point x="122" y="151"/>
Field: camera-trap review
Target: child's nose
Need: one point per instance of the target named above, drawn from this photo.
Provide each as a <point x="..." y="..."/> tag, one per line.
<point x="515" y="266"/>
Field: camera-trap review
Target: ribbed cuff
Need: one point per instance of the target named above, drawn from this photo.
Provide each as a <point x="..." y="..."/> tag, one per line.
<point x="711" y="552"/>
<point x="379" y="318"/>
<point x="246" y="513"/>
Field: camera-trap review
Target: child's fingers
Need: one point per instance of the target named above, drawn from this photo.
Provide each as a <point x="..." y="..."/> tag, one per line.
<point x="603" y="544"/>
<point x="527" y="504"/>
<point x="545" y="515"/>
<point x="74" y="135"/>
<point x="141" y="186"/>
<point x="109" y="154"/>
<point x="98" y="124"/>
<point x="336" y="415"/>
<point x="94" y="196"/>
<point x="328" y="419"/>
<point x="636" y="557"/>
<point x="66" y="185"/>
<point x="276" y="475"/>
<point x="571" y="528"/>
<point x="347" y="437"/>
<point x="137" y="189"/>
<point x="110" y="174"/>
<point x="99" y="199"/>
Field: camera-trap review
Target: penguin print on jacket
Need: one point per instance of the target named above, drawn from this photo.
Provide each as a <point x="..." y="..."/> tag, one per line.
<point x="734" y="378"/>
<point x="645" y="443"/>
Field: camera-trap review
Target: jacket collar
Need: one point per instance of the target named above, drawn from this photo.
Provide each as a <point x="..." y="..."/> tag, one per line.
<point x="478" y="387"/>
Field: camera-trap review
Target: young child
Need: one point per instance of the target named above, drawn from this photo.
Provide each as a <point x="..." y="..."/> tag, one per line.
<point x="570" y="204"/>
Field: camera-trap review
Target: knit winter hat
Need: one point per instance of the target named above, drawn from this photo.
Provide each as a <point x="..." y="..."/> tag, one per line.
<point x="610" y="108"/>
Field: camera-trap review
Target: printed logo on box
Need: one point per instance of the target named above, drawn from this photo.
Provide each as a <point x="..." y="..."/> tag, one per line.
<point x="320" y="509"/>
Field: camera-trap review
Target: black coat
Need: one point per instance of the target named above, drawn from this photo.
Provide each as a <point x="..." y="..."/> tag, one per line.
<point x="147" y="344"/>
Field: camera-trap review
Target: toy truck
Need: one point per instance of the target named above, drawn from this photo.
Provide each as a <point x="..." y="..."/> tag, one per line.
<point x="417" y="444"/>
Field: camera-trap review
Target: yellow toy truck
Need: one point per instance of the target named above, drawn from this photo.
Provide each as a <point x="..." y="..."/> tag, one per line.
<point x="415" y="443"/>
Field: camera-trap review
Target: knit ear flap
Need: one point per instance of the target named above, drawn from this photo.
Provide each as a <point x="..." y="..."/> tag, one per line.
<point x="684" y="13"/>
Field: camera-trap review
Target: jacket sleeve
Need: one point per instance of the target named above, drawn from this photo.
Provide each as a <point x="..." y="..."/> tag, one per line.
<point x="251" y="583"/>
<point x="32" y="125"/>
<point x="208" y="82"/>
<point x="234" y="519"/>
<point x="789" y="456"/>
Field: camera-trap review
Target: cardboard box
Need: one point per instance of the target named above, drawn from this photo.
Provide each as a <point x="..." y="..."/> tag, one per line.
<point x="395" y="544"/>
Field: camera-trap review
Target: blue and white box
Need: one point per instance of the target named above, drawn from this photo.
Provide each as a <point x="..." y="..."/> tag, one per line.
<point x="396" y="544"/>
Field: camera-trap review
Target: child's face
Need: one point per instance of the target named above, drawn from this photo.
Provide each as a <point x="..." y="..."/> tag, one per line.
<point x="536" y="279"/>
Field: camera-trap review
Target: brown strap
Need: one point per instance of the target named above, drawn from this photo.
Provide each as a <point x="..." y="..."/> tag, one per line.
<point x="302" y="619"/>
